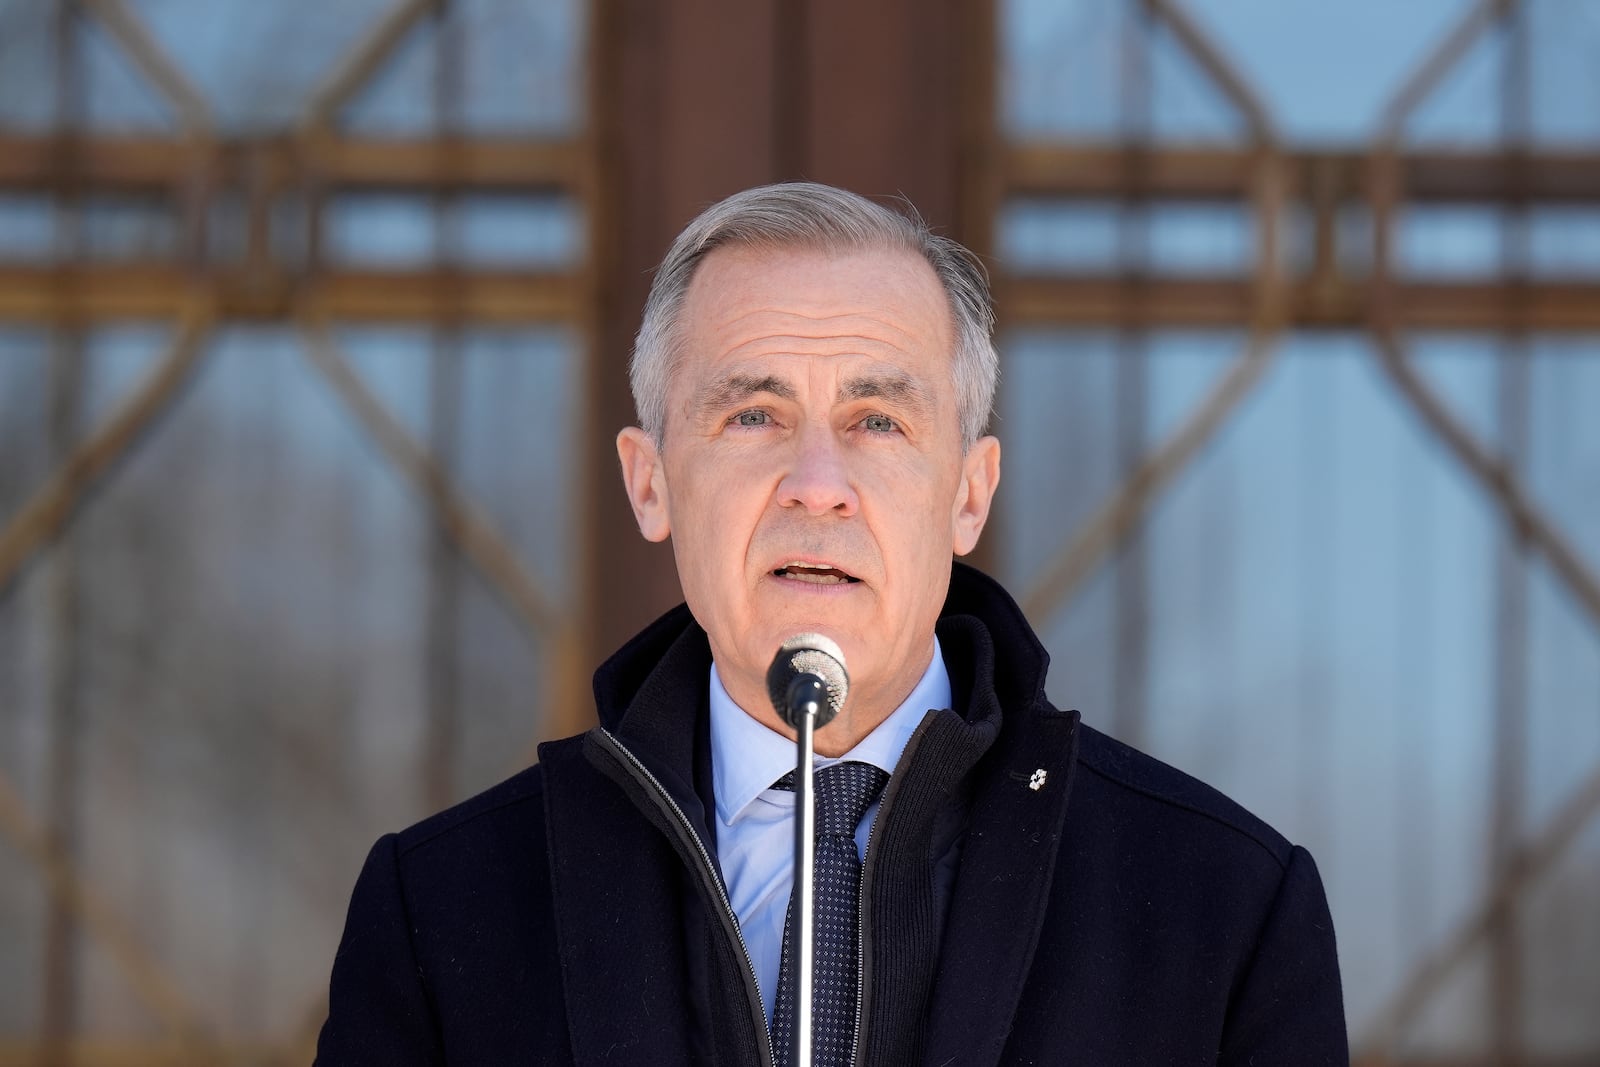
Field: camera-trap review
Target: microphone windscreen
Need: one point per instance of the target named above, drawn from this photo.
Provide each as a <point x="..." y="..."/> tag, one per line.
<point x="808" y="654"/>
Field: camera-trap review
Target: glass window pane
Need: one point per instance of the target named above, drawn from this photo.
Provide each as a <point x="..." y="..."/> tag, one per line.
<point x="1459" y="242"/>
<point x="393" y="230"/>
<point x="27" y="228"/>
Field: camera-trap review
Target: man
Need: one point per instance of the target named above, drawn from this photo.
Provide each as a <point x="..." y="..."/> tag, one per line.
<point x="813" y="375"/>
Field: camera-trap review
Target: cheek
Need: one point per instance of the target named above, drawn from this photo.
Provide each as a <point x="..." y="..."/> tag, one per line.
<point x="715" y="513"/>
<point x="715" y="472"/>
<point x="916" y="508"/>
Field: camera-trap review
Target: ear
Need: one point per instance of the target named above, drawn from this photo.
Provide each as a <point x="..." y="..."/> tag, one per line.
<point x="980" y="476"/>
<point x="646" y="481"/>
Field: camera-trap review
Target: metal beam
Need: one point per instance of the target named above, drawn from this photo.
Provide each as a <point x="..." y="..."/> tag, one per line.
<point x="485" y="164"/>
<point x="1527" y="865"/>
<point x="51" y="508"/>
<point x="363" y="61"/>
<point x="151" y="985"/>
<point x="1107" y="300"/>
<point x="1122" y="512"/>
<point x="148" y="162"/>
<point x="123" y="291"/>
<point x="1222" y="73"/>
<point x="1532" y="529"/>
<point x="193" y="114"/>
<point x="1177" y="172"/>
<point x="467" y="526"/>
<point x="1432" y="70"/>
<point x="120" y="162"/>
<point x="1498" y="481"/>
<point x="432" y="295"/>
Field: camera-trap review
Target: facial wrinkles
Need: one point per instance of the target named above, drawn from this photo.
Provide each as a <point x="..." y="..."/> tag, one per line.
<point x="904" y="394"/>
<point x="775" y="327"/>
<point x="788" y="534"/>
<point x="728" y="390"/>
<point x="896" y="388"/>
<point x="889" y="345"/>
<point x="849" y="542"/>
<point x="789" y="344"/>
<point x="792" y="532"/>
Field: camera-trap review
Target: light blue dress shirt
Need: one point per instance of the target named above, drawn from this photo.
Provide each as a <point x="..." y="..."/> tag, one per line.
<point x="755" y="823"/>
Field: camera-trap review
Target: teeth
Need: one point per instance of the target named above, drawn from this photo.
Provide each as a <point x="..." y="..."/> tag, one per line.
<point x="813" y="573"/>
<point x="814" y="577"/>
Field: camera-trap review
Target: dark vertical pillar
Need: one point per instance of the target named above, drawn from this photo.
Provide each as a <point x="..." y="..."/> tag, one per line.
<point x="443" y="668"/>
<point x="1132" y="385"/>
<point x="883" y="101"/>
<point x="700" y="98"/>
<point x="59" y="986"/>
<point x="1509" y="774"/>
<point x="59" y="989"/>
<point x="684" y="114"/>
<point x="1512" y="390"/>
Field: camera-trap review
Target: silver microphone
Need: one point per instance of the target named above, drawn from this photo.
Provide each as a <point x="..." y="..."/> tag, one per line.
<point x="808" y="668"/>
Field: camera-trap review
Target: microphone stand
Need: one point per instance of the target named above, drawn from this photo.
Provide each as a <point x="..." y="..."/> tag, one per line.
<point x="808" y="702"/>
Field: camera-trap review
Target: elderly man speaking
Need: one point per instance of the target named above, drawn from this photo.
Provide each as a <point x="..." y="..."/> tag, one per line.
<point x="1004" y="885"/>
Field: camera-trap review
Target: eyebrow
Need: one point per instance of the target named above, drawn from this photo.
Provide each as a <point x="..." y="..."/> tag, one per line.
<point x="902" y="389"/>
<point x="732" y="389"/>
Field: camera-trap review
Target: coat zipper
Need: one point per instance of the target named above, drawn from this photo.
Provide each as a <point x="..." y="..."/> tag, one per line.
<point x="869" y="857"/>
<point x="861" y="940"/>
<point x="730" y="920"/>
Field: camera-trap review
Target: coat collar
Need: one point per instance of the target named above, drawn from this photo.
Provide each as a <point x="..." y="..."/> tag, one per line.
<point x="652" y="696"/>
<point x="643" y="682"/>
<point x="1020" y="790"/>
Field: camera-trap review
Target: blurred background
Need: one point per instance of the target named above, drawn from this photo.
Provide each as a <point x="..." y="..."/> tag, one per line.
<point x="313" y="323"/>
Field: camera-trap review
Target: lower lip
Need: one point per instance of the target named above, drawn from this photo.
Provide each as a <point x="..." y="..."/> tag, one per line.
<point x="817" y="588"/>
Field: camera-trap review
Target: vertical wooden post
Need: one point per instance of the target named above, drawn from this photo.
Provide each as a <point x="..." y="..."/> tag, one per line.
<point x="699" y="99"/>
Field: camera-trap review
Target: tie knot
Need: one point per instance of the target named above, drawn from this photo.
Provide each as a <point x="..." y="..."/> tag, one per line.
<point x="844" y="792"/>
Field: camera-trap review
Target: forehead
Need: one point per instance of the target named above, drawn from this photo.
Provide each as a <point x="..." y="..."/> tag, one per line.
<point x="759" y="304"/>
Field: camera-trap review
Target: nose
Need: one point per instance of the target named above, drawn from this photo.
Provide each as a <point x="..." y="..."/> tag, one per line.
<point x="818" y="478"/>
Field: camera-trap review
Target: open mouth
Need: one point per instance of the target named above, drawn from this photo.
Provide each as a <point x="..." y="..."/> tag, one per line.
<point x="814" y="573"/>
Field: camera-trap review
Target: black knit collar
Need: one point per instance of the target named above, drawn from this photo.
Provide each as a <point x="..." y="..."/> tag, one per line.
<point x="639" y="691"/>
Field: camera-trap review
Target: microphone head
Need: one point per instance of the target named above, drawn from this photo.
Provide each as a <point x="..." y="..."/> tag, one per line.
<point x="807" y="654"/>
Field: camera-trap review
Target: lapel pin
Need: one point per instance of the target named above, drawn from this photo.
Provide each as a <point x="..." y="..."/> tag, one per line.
<point x="1036" y="782"/>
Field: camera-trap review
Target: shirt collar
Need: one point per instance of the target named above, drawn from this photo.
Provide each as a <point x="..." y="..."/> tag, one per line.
<point x="747" y="757"/>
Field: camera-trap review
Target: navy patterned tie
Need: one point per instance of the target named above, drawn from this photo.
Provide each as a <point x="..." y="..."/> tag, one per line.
<point x="843" y="793"/>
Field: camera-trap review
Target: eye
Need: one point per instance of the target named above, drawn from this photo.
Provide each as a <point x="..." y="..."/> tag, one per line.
<point x="754" y="417"/>
<point x="878" y="424"/>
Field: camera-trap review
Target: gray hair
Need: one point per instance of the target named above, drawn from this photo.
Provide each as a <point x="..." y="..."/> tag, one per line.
<point x="813" y="216"/>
